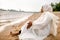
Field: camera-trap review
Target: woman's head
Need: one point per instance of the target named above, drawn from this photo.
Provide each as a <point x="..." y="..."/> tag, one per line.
<point x="46" y="8"/>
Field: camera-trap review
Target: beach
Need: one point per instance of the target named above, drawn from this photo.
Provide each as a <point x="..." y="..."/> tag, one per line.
<point x="8" y="17"/>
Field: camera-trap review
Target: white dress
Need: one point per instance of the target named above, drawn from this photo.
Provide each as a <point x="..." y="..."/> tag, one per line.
<point x="39" y="30"/>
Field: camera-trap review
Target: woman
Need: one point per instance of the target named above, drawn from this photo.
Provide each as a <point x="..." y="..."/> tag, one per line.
<point x="42" y="27"/>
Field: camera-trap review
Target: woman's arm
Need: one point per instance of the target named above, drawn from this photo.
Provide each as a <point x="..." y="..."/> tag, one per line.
<point x="29" y="24"/>
<point x="26" y="26"/>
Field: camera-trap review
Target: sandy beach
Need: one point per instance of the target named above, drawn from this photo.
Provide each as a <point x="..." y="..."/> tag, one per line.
<point x="5" y="35"/>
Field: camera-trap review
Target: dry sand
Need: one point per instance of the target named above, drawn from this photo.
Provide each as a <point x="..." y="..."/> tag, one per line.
<point x="5" y="35"/>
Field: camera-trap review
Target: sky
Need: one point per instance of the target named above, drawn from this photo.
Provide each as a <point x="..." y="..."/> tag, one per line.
<point x="25" y="5"/>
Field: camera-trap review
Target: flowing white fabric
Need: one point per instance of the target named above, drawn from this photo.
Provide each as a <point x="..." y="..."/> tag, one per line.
<point x="54" y="22"/>
<point x="40" y="29"/>
<point x="48" y="8"/>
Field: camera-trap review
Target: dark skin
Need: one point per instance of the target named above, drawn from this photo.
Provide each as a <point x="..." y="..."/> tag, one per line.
<point x="29" y="24"/>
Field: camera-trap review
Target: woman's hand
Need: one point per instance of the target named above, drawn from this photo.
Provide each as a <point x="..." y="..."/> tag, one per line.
<point x="29" y="24"/>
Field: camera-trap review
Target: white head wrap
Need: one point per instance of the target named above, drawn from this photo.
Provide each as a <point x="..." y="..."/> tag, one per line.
<point x="47" y="8"/>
